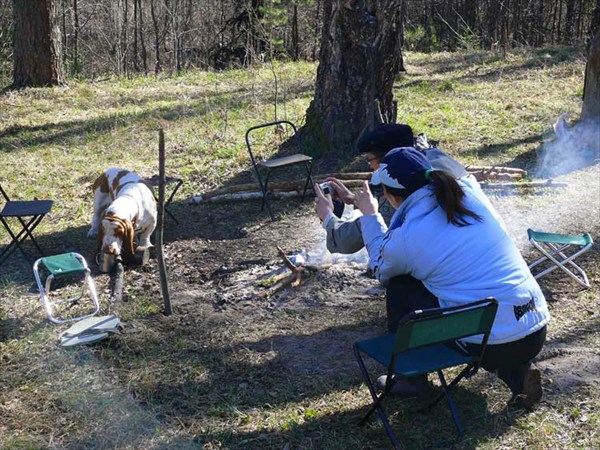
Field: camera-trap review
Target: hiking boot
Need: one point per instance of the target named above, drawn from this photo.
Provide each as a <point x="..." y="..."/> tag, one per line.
<point x="531" y="392"/>
<point x="405" y="387"/>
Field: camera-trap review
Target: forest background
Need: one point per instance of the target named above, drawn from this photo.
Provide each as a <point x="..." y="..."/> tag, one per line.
<point x="125" y="37"/>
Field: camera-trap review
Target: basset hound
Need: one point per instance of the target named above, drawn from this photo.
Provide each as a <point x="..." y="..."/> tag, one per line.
<point x="124" y="207"/>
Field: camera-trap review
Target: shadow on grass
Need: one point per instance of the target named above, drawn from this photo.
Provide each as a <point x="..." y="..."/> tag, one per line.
<point x="538" y="58"/>
<point x="295" y="388"/>
<point x="294" y="391"/>
<point x="71" y="132"/>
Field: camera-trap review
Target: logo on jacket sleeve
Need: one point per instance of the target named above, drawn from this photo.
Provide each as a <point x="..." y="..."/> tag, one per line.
<point x="521" y="310"/>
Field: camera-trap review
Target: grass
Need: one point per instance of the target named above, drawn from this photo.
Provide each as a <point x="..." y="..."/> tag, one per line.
<point x="206" y="380"/>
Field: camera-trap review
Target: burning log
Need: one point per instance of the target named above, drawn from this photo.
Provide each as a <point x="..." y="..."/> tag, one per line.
<point x="292" y="280"/>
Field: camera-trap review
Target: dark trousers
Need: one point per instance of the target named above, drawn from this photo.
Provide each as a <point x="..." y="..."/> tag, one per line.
<point x="510" y="360"/>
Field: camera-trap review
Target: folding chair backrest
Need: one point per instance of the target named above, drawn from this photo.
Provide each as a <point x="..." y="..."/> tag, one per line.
<point x="283" y="136"/>
<point x="271" y="136"/>
<point x="429" y="327"/>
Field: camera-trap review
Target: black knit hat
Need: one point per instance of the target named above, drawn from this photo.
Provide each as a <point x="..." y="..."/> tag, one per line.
<point x="386" y="137"/>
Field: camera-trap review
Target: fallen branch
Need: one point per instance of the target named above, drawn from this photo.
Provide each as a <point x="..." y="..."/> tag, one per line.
<point x="495" y="169"/>
<point x="290" y="265"/>
<point x="292" y="280"/>
<point x="276" y="190"/>
<point x="526" y="185"/>
<point x="295" y="188"/>
<point x="501" y="176"/>
<point x="283" y="186"/>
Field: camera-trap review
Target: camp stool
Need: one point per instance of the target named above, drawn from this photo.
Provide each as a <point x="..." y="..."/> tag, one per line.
<point x="65" y="265"/>
<point x="560" y="250"/>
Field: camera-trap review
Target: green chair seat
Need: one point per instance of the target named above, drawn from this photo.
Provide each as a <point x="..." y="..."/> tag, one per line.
<point x="555" y="238"/>
<point x="64" y="264"/>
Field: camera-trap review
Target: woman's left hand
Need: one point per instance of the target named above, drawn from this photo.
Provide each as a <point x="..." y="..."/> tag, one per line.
<point x="365" y="201"/>
<point x="323" y="203"/>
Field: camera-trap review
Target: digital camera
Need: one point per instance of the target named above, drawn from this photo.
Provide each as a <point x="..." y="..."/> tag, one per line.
<point x="326" y="187"/>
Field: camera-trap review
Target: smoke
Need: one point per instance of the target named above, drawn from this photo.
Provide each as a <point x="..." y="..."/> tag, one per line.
<point x="319" y="255"/>
<point x="573" y="148"/>
<point x="572" y="157"/>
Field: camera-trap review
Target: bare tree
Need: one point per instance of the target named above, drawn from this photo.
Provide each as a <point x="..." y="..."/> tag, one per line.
<point x="360" y="57"/>
<point x="37" y="44"/>
<point x="591" y="90"/>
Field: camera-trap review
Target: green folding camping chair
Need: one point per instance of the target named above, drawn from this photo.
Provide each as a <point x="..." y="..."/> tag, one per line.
<point x="559" y="251"/>
<point x="425" y="342"/>
<point x="67" y="266"/>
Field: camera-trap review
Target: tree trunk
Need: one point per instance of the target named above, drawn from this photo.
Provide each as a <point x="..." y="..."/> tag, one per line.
<point x="360" y="57"/>
<point x="295" y="37"/>
<point x="76" y="68"/>
<point x="591" y="89"/>
<point x="37" y="49"/>
<point x="157" y="62"/>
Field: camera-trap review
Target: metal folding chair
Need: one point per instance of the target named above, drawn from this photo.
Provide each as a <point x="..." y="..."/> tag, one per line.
<point x="559" y="251"/>
<point x="28" y="214"/>
<point x="267" y="166"/>
<point x="425" y="342"/>
<point x="176" y="184"/>
<point x="71" y="265"/>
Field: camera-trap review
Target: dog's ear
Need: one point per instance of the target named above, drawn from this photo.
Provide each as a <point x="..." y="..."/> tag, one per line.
<point x="127" y="246"/>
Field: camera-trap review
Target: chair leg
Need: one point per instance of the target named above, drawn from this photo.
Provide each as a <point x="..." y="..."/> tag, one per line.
<point x="170" y="199"/>
<point x="30" y="227"/>
<point x="550" y="255"/>
<point x="18" y="239"/>
<point x="376" y="401"/>
<point x="446" y="389"/>
<point x="266" y="196"/>
<point x="309" y="181"/>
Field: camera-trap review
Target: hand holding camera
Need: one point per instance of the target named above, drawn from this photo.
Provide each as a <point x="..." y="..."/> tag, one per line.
<point x="326" y="188"/>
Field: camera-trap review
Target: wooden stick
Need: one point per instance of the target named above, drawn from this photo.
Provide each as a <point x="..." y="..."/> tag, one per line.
<point x="503" y="176"/>
<point x="281" y="186"/>
<point x="116" y="295"/>
<point x="525" y="185"/>
<point x="495" y="168"/>
<point x="251" y="192"/>
<point x="290" y="265"/>
<point x="294" y="279"/>
<point x="350" y="179"/>
<point x="164" y="281"/>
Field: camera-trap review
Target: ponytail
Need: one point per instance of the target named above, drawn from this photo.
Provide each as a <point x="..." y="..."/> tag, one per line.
<point x="448" y="194"/>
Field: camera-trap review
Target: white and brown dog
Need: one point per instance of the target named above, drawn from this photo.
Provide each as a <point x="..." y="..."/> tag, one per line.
<point x="124" y="206"/>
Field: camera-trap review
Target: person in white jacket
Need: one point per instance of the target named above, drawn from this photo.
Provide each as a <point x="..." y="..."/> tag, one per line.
<point x="446" y="246"/>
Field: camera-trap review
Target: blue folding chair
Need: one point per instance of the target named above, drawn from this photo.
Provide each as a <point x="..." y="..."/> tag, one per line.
<point x="28" y="214"/>
<point x="425" y="342"/>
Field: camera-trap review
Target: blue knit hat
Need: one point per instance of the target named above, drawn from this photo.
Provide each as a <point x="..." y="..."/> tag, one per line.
<point x="403" y="168"/>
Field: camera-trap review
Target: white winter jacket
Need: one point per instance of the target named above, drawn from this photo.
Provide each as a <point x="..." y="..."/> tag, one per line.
<point x="458" y="264"/>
